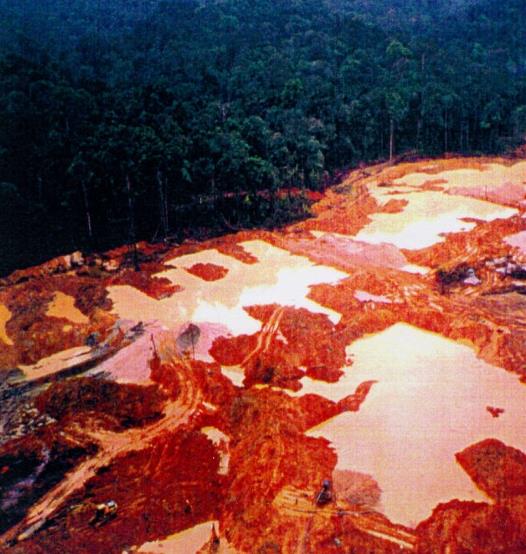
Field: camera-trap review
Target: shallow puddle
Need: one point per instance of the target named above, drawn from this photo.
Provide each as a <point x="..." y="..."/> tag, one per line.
<point x="236" y="374"/>
<point x="493" y="176"/>
<point x="517" y="240"/>
<point x="278" y="278"/>
<point x="430" y="402"/>
<point x="427" y="216"/>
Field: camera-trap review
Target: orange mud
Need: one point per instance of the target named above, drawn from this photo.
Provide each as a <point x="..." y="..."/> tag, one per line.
<point x="394" y="206"/>
<point x="311" y="358"/>
<point x="434" y="184"/>
<point x="497" y="469"/>
<point x="155" y="287"/>
<point x="339" y="213"/>
<point x="208" y="272"/>
<point x="236" y="250"/>
<point x="289" y="340"/>
<point x="129" y="405"/>
<point x="459" y="527"/>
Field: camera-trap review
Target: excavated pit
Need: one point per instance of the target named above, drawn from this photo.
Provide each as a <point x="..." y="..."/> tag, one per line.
<point x="378" y="346"/>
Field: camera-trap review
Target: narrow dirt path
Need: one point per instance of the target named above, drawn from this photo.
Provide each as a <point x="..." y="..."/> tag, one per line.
<point x="269" y="330"/>
<point x="111" y="446"/>
<point x="296" y="503"/>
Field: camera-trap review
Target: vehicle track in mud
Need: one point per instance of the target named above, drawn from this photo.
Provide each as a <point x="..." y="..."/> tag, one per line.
<point x="111" y="445"/>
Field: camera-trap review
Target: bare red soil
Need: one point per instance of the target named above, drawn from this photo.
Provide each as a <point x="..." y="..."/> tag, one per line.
<point x="208" y="272"/>
<point x="150" y="447"/>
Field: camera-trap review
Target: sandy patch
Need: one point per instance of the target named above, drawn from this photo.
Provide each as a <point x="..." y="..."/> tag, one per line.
<point x="429" y="387"/>
<point x="359" y="253"/>
<point x="5" y="316"/>
<point x="57" y="362"/>
<point x="508" y="194"/>
<point x="131" y="364"/>
<point x="186" y="542"/>
<point x="416" y="269"/>
<point x="63" y="306"/>
<point x="339" y="249"/>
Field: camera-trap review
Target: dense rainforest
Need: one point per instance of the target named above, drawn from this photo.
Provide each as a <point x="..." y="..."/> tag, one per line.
<point x="126" y="119"/>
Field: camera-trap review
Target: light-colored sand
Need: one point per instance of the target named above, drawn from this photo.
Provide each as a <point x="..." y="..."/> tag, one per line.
<point x="63" y="305"/>
<point x="215" y="435"/>
<point x="57" y="362"/>
<point x="417" y="269"/>
<point x="236" y="374"/>
<point x="279" y="277"/>
<point x="5" y="316"/>
<point x="364" y="296"/>
<point x="429" y="403"/>
<point x="508" y="194"/>
<point x="186" y="542"/>
<point x="221" y="441"/>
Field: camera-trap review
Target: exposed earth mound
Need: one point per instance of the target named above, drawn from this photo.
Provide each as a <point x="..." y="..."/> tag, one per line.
<point x="350" y="383"/>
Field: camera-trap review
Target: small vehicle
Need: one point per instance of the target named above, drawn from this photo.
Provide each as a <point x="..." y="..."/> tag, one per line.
<point x="104" y="512"/>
